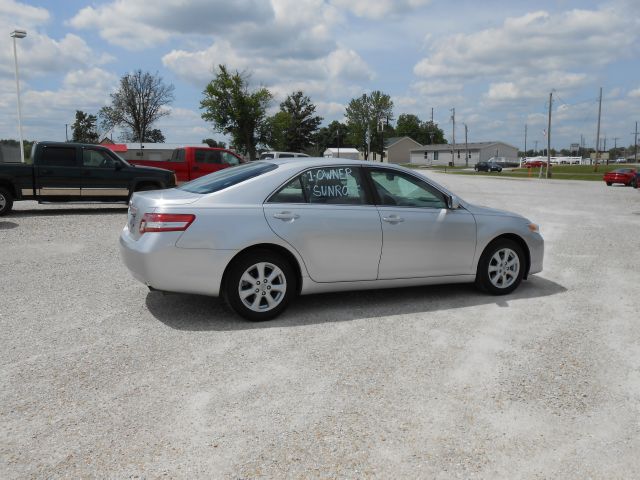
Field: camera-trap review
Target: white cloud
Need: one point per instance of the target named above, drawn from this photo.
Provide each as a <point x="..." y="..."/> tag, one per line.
<point x="134" y="24"/>
<point x="635" y="93"/>
<point x="531" y="43"/>
<point x="46" y="111"/>
<point x="21" y="15"/>
<point x="380" y="8"/>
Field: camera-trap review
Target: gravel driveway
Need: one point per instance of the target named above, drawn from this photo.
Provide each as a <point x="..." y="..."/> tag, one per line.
<point x="101" y="378"/>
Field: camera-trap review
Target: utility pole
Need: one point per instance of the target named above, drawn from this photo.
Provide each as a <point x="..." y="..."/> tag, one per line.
<point x="549" y="136"/>
<point x="66" y="131"/>
<point x="453" y="136"/>
<point x="525" y="141"/>
<point x="338" y="132"/>
<point x="466" y="146"/>
<point x="615" y="146"/>
<point x="604" y="148"/>
<point x="635" y="145"/>
<point x="431" y="114"/>
<point x="536" y="152"/>
<point x="598" y="132"/>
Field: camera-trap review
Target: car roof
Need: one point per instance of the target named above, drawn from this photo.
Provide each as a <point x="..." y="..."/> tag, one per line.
<point x="322" y="161"/>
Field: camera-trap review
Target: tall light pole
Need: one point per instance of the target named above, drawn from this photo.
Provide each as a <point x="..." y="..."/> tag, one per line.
<point x="18" y="34"/>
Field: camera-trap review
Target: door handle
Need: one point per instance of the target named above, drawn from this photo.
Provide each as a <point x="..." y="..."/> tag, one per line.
<point x="286" y="216"/>
<point x="393" y="219"/>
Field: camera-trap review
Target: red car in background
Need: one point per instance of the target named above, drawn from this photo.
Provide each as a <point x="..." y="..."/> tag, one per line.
<point x="535" y="164"/>
<point x="626" y="176"/>
<point x="188" y="163"/>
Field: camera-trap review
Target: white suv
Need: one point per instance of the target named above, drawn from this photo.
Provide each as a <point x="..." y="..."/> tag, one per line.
<point x="270" y="155"/>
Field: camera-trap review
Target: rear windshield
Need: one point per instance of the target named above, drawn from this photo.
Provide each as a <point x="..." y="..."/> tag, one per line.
<point x="228" y="177"/>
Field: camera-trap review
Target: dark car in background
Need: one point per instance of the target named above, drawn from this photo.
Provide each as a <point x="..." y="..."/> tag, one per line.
<point x="76" y="172"/>
<point x="487" y="167"/>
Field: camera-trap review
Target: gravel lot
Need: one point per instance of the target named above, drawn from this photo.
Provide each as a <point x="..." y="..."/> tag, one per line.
<point x="101" y="378"/>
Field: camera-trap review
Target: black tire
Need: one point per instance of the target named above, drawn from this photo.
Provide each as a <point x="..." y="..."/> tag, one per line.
<point x="261" y="309"/>
<point x="608" y="184"/>
<point x="634" y="184"/>
<point x="489" y="281"/>
<point x="6" y="201"/>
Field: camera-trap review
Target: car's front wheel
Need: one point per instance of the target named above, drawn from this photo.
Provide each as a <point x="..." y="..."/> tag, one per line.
<point x="260" y="285"/>
<point x="608" y="184"/>
<point x="501" y="267"/>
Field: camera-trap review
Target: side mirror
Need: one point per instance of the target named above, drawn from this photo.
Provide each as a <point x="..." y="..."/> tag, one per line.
<point x="453" y="202"/>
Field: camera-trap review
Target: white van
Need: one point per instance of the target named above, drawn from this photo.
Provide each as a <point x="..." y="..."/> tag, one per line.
<point x="270" y="155"/>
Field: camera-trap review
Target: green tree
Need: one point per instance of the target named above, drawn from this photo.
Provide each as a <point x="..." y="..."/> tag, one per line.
<point x="333" y="135"/>
<point x="84" y="129"/>
<point x="277" y="131"/>
<point x="364" y="115"/>
<point x="430" y="133"/>
<point x="303" y="123"/>
<point x="236" y="110"/>
<point x="140" y="101"/>
<point x="213" y="143"/>
<point x="409" y="125"/>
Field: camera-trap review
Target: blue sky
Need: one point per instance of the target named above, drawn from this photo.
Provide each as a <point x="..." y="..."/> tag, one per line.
<point x="495" y="61"/>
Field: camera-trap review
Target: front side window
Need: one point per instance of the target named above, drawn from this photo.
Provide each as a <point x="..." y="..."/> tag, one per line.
<point x="97" y="159"/>
<point x="266" y="156"/>
<point x="398" y="189"/>
<point x="286" y="155"/>
<point x="58" y="156"/>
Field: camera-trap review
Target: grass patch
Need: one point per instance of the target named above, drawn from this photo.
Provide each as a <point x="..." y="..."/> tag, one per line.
<point x="558" y="172"/>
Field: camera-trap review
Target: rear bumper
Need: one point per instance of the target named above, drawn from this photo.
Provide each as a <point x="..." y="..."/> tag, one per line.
<point x="155" y="261"/>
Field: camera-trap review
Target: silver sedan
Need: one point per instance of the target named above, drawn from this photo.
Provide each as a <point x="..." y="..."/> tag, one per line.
<point x="261" y="233"/>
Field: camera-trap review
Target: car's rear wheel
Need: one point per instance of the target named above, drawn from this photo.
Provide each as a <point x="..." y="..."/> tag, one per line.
<point x="260" y="285"/>
<point x="6" y="201"/>
<point x="501" y="267"/>
<point x="608" y="184"/>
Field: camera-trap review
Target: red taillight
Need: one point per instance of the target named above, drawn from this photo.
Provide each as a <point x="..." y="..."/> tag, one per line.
<point x="165" y="222"/>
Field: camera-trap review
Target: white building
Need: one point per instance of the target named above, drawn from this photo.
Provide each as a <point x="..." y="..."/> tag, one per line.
<point x="440" y="154"/>
<point x="350" y="153"/>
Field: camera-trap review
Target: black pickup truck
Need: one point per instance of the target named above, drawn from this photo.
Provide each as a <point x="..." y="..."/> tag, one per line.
<point x="74" y="172"/>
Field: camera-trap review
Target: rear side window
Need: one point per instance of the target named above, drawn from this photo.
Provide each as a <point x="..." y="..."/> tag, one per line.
<point x="58" y="156"/>
<point x="178" y="155"/>
<point x="326" y="185"/>
<point x="228" y="177"/>
<point x="286" y="155"/>
<point x="208" y="156"/>
<point x="266" y="156"/>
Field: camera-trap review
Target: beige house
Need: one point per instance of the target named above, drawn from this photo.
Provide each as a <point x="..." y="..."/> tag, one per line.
<point x="398" y="149"/>
<point x="440" y="154"/>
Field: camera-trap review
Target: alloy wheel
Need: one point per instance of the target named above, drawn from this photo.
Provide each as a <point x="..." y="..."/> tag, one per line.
<point x="504" y="267"/>
<point x="262" y="287"/>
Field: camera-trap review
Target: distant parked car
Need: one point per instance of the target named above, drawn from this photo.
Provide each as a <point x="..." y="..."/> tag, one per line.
<point x="621" y="160"/>
<point x="535" y="164"/>
<point x="487" y="167"/>
<point x="626" y="176"/>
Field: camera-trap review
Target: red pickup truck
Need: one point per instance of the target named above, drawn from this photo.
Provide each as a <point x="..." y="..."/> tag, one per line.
<point x="188" y="163"/>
